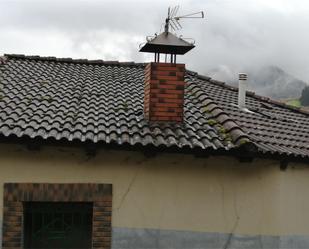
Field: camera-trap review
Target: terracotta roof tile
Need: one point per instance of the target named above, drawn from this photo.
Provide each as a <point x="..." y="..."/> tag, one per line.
<point x="274" y="127"/>
<point x="102" y="101"/>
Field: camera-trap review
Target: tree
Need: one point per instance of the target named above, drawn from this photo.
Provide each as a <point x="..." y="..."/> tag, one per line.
<point x="304" y="99"/>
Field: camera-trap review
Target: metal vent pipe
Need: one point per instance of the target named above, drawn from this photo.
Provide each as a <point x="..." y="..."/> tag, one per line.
<point x="242" y="88"/>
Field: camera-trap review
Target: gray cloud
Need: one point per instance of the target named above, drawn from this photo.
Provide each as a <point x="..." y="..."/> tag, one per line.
<point x="237" y="35"/>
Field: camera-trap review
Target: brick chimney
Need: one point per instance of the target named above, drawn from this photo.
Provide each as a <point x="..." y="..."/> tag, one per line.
<point x="164" y="92"/>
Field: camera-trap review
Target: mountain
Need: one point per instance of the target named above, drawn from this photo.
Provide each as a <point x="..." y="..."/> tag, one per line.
<point x="270" y="81"/>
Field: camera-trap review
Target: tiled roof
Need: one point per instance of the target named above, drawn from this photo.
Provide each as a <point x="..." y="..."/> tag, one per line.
<point x="102" y="102"/>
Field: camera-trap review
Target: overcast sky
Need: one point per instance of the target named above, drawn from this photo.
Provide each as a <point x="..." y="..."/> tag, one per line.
<point x="236" y="35"/>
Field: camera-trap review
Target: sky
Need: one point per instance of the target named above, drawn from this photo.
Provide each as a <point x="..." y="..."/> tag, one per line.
<point x="235" y="36"/>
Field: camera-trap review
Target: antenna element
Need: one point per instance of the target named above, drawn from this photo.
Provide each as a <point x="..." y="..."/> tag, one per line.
<point x="173" y="21"/>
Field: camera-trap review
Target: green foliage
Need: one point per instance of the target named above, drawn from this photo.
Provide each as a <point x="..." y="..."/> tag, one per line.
<point x="29" y="100"/>
<point x="43" y="82"/>
<point x="304" y="99"/>
<point x="294" y="102"/>
<point x="1" y="94"/>
<point x="48" y="98"/>
<point x="222" y="129"/>
<point x="212" y="122"/>
<point x="243" y="141"/>
<point x="125" y="106"/>
<point x="228" y="137"/>
<point x="205" y="110"/>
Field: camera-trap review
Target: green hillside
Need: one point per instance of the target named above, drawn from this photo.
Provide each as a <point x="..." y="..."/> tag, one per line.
<point x="293" y="102"/>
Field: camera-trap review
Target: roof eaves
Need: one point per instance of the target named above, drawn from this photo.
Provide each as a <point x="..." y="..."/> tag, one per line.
<point x="37" y="142"/>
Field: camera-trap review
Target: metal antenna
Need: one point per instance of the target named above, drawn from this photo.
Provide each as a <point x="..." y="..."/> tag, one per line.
<point x="173" y="21"/>
<point x="199" y="14"/>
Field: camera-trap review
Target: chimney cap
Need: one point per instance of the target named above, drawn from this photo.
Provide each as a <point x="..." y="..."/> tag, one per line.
<point x="243" y="76"/>
<point x="167" y="43"/>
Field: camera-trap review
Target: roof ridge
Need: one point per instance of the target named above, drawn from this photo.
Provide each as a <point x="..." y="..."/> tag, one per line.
<point x="71" y="60"/>
<point x="250" y="93"/>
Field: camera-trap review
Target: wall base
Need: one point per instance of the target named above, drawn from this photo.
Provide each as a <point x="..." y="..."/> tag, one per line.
<point x="128" y="238"/>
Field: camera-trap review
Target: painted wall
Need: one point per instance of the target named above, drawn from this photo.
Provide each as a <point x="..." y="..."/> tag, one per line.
<point x="178" y="201"/>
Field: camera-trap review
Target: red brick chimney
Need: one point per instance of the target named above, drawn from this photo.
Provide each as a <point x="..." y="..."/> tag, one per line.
<point x="164" y="92"/>
<point x="164" y="82"/>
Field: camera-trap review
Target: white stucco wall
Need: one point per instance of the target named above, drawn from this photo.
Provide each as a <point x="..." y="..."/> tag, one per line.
<point x="176" y="192"/>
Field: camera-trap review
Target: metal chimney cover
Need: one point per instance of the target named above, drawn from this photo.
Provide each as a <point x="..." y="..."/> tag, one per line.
<point x="167" y="43"/>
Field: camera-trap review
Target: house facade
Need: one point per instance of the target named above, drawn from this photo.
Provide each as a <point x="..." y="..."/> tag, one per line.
<point x="94" y="156"/>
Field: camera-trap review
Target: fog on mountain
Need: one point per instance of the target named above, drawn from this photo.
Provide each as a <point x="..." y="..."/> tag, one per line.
<point x="270" y="81"/>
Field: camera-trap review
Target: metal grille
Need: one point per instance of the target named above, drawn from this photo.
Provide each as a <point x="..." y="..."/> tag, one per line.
<point x="57" y="225"/>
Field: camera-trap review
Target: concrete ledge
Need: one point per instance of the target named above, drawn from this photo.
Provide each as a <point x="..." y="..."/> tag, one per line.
<point x="129" y="238"/>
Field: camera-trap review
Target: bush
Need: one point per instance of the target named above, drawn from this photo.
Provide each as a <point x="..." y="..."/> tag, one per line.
<point x="304" y="99"/>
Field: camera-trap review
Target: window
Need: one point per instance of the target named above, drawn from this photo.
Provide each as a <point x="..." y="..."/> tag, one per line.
<point x="57" y="225"/>
<point x="56" y="215"/>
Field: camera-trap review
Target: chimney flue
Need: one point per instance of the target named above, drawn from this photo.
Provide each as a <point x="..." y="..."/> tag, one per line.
<point x="164" y="92"/>
<point x="242" y="88"/>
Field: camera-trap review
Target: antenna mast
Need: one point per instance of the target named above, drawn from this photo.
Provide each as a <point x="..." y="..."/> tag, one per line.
<point x="168" y="43"/>
<point x="173" y="21"/>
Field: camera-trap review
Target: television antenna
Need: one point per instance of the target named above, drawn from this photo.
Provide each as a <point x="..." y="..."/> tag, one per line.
<point x="173" y="20"/>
